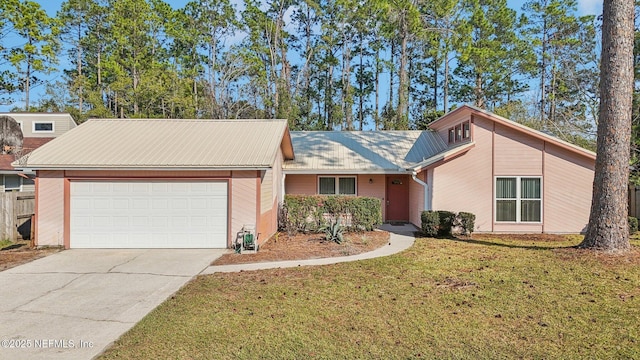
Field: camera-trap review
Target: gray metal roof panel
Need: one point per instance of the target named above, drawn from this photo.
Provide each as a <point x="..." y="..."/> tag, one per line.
<point x="362" y="150"/>
<point x="122" y="143"/>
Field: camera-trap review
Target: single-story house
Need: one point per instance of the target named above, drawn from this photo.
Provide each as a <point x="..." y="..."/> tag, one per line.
<point x="197" y="183"/>
<point x="37" y="129"/>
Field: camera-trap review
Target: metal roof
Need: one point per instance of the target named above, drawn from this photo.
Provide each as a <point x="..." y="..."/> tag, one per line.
<point x="163" y="143"/>
<point x="368" y="151"/>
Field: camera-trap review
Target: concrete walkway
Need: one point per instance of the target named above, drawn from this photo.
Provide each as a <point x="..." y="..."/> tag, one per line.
<point x="401" y="238"/>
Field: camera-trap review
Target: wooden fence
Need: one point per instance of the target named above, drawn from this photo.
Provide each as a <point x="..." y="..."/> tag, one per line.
<point x="634" y="201"/>
<point x="16" y="213"/>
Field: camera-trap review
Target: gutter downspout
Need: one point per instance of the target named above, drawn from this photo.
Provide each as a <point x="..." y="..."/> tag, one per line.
<point x="284" y="176"/>
<point x="426" y="189"/>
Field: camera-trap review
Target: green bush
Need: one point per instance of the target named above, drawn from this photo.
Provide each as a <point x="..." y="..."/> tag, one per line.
<point x="430" y="221"/>
<point x="447" y="218"/>
<point x="302" y="213"/>
<point x="333" y="231"/>
<point x="633" y="225"/>
<point x="466" y="221"/>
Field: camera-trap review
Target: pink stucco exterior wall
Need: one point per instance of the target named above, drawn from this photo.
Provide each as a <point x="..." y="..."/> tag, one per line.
<point x="304" y="184"/>
<point x="568" y="182"/>
<point x="416" y="199"/>
<point x="244" y="195"/>
<point x="245" y="200"/>
<point x="466" y="183"/>
<point x="50" y="208"/>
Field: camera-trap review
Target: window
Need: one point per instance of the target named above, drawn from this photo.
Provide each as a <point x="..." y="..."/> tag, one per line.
<point x="43" y="126"/>
<point x="12" y="183"/>
<point x="459" y="132"/>
<point x="336" y="185"/>
<point x="519" y="199"/>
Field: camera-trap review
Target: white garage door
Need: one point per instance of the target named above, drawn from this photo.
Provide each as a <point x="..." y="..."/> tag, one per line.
<point x="148" y="214"/>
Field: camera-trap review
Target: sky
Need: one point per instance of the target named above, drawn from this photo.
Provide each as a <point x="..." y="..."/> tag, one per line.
<point x="585" y="7"/>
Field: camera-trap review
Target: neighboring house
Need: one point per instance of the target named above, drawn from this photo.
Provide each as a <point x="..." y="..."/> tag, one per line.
<point x="190" y="183"/>
<point x="37" y="130"/>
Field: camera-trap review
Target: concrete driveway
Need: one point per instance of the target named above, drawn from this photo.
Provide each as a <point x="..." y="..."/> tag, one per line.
<point x="74" y="304"/>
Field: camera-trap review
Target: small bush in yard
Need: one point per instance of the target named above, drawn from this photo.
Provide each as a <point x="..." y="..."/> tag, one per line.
<point x="430" y="221"/>
<point x="633" y="225"/>
<point x="466" y="221"/>
<point x="447" y="218"/>
<point x="333" y="231"/>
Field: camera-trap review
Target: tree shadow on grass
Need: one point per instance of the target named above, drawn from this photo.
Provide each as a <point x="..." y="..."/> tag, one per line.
<point x="511" y="246"/>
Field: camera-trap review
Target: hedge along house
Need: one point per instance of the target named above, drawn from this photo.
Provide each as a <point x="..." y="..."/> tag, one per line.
<point x="159" y="183"/>
<point x="196" y="183"/>
<point x="513" y="178"/>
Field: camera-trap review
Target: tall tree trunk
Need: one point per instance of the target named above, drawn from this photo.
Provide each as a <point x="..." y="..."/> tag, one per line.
<point x="361" y="88"/>
<point x="445" y="93"/>
<point x="435" y="68"/>
<point x="543" y="72"/>
<point x="376" y="114"/>
<point x="79" y="60"/>
<point x="403" y="86"/>
<point x="608" y="228"/>
<point x="27" y="84"/>
<point x="27" y="80"/>
<point x="213" y="60"/>
<point x="346" y="83"/>
<point x="479" y="92"/>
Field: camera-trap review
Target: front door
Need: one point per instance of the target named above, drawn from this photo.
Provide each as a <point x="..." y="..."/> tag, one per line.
<point x="397" y="202"/>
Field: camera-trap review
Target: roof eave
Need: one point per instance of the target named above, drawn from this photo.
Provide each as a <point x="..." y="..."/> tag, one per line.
<point x="345" y="171"/>
<point x="443" y="157"/>
<point x="144" y="168"/>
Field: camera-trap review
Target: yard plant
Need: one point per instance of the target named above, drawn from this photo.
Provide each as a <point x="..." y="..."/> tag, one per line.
<point x="479" y="298"/>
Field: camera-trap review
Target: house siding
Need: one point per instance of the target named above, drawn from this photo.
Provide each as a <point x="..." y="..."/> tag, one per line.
<point x="266" y="191"/>
<point x="300" y="184"/>
<point x="297" y="184"/>
<point x="416" y="199"/>
<point x="568" y="184"/>
<point x="60" y="126"/>
<point x="376" y="189"/>
<point x="50" y="207"/>
<point x="465" y="183"/>
<point x="244" y="201"/>
<point x="516" y="153"/>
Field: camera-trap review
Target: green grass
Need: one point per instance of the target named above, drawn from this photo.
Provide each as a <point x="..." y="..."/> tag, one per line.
<point x="4" y="243"/>
<point x="440" y="299"/>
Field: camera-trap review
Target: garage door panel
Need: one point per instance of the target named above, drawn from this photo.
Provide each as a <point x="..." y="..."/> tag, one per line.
<point x="136" y="214"/>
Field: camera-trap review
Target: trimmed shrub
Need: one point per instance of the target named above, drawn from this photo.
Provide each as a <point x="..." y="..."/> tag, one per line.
<point x="633" y="225"/>
<point x="447" y="219"/>
<point x="466" y="221"/>
<point x="430" y="221"/>
<point x="302" y="213"/>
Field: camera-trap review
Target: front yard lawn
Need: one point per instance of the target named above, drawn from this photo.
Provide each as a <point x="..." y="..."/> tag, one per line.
<point x="484" y="298"/>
